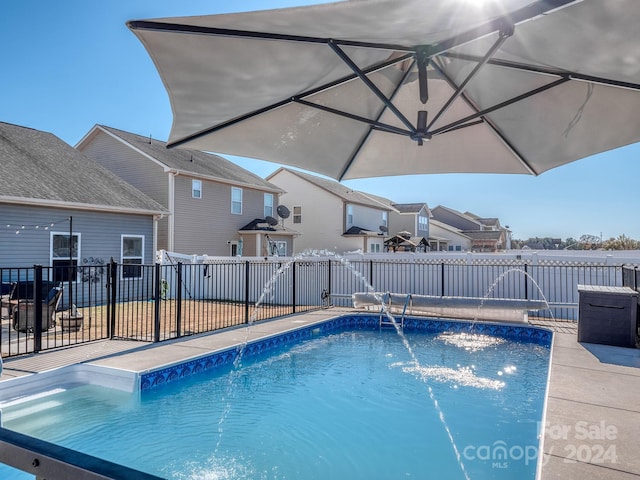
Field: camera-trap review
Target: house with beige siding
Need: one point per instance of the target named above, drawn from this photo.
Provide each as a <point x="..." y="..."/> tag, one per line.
<point x="216" y="207"/>
<point x="447" y="238"/>
<point x="60" y="209"/>
<point x="486" y="234"/>
<point x="331" y="216"/>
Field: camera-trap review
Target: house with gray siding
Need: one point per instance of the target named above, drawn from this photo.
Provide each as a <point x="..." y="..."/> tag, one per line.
<point x="50" y="193"/>
<point x="216" y="207"/>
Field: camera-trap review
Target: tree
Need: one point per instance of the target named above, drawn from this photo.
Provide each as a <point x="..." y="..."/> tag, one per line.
<point x="621" y="243"/>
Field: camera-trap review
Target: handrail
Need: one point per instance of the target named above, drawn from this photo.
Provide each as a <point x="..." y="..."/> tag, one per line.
<point x="53" y="462"/>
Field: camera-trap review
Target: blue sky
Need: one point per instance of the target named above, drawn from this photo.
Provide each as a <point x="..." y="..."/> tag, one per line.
<point x="69" y="65"/>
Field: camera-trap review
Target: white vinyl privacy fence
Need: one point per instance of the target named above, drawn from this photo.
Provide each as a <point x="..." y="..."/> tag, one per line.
<point x="308" y="279"/>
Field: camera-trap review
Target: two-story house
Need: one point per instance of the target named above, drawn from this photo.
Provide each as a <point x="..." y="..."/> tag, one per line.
<point x="331" y="216"/>
<point x="410" y="226"/>
<point x="60" y="209"/>
<point x="217" y="208"/>
<point x="447" y="238"/>
<point x="486" y="234"/>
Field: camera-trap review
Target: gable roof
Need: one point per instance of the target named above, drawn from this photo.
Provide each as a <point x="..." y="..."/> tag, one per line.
<point x="446" y="226"/>
<point x="189" y="162"/>
<point x="454" y="212"/>
<point x="38" y="168"/>
<point x="484" y="234"/>
<point x="360" y="231"/>
<point x="489" y="222"/>
<point x="347" y="194"/>
<point x="411" y="207"/>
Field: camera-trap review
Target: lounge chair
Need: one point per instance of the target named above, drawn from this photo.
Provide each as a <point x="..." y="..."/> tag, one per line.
<point x="6" y="295"/>
<point x="24" y="314"/>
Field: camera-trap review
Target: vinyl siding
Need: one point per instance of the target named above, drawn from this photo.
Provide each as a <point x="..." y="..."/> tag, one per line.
<point x="323" y="214"/>
<point x="367" y="217"/>
<point x="134" y="168"/>
<point x="450" y="218"/>
<point x="99" y="234"/>
<point x="204" y="226"/>
<point x="408" y="222"/>
<point x="402" y="223"/>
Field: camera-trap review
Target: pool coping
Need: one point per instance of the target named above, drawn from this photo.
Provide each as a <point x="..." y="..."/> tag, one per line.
<point x="579" y="376"/>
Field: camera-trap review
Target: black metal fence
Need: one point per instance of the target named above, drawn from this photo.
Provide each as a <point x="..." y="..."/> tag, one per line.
<point x="152" y="303"/>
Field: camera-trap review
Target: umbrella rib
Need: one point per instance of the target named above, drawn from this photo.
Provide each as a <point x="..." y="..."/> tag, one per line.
<point x="351" y="116"/>
<point x="364" y="138"/>
<point x="502" y="37"/>
<point x="229" y="32"/>
<point x="345" y="58"/>
<point x="498" y="106"/>
<point x="545" y="71"/>
<point x="281" y="103"/>
<point x="524" y="14"/>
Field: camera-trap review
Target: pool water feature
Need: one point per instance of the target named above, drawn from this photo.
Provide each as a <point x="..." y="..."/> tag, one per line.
<point x="338" y="400"/>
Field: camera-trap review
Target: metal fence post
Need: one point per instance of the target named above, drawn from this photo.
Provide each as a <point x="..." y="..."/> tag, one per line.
<point x="526" y="282"/>
<point x="112" y="295"/>
<point x="156" y="297"/>
<point x="329" y="278"/>
<point x="37" y="308"/>
<point x="178" y="299"/>
<point x="442" y="279"/>
<point x="293" y="286"/>
<point x="246" y="291"/>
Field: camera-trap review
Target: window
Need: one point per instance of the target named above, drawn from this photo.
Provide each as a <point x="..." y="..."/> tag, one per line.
<point x="374" y="248"/>
<point x="196" y="188"/>
<point x="236" y="200"/>
<point x="279" y="247"/>
<point x="385" y="218"/>
<point x="297" y="214"/>
<point x="65" y="267"/>
<point x="349" y="216"/>
<point x="268" y="205"/>
<point x="423" y="223"/>
<point x="132" y="256"/>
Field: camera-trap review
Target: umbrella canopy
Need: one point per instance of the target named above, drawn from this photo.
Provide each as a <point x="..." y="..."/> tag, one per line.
<point x="368" y="88"/>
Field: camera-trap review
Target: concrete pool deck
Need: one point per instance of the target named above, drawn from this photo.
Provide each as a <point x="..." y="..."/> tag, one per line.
<point x="593" y="404"/>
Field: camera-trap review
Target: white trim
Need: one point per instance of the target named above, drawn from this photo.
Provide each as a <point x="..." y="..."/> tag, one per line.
<point x="241" y="200"/>
<point x="169" y="169"/>
<point x="194" y="182"/>
<point x="78" y="252"/>
<point x="39" y="202"/>
<point x="171" y="200"/>
<point x="266" y="195"/>
<point x="122" y="257"/>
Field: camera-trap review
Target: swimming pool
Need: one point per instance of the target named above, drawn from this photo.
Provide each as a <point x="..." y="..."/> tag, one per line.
<point x="344" y="400"/>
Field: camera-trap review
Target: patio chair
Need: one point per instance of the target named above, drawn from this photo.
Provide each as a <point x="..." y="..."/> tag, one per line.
<point x="24" y="314"/>
<point x="6" y="295"/>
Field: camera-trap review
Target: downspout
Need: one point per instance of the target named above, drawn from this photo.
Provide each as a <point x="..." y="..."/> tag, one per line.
<point x="155" y="233"/>
<point x="171" y="201"/>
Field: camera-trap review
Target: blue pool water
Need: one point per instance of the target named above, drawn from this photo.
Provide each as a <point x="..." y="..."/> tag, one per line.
<point x="349" y="404"/>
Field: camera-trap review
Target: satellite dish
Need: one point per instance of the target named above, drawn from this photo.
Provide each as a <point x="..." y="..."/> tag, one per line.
<point x="283" y="212"/>
<point x="271" y="221"/>
<point x="383" y="229"/>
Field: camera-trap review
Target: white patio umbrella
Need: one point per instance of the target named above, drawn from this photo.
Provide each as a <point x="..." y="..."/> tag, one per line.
<point x="368" y="88"/>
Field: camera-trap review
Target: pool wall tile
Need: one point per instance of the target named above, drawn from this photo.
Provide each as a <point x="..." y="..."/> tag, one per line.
<point x="519" y="333"/>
